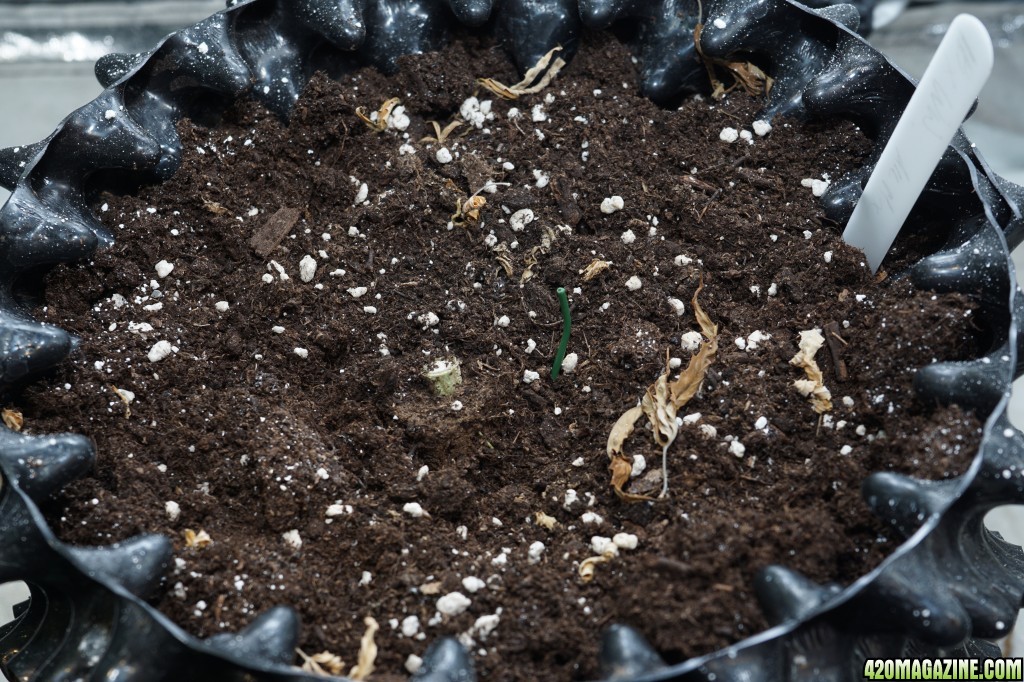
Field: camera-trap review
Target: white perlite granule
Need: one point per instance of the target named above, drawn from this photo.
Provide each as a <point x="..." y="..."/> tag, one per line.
<point x="410" y="626"/>
<point x="414" y="509"/>
<point x="633" y="283"/>
<point x="301" y="352"/>
<point x="338" y="509"/>
<point x="443" y="155"/>
<point x="625" y="540"/>
<point x="691" y="341"/>
<point x="602" y="545"/>
<point x="535" y="551"/>
<point x="413" y="663"/>
<point x="222" y="306"/>
<point x="163" y="268"/>
<point x="453" y="603"/>
<point x="628" y="237"/>
<point x="307" y="268"/>
<point x="612" y="204"/>
<point x="761" y="128"/>
<point x="173" y="510"/>
<point x="818" y="187"/>
<point x="292" y="539"/>
<point x="729" y="135"/>
<point x="569" y="363"/>
<point x="473" y="584"/>
<point x="159" y="351"/>
<point x="677" y="306"/>
<point x="520" y="219"/>
<point x="755" y="338"/>
<point x="529" y="376"/>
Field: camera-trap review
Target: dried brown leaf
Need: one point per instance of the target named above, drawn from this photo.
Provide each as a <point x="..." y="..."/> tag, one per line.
<point x="498" y="88"/>
<point x="622" y="429"/>
<point x="13" y="419"/>
<point x="621" y="466"/>
<point x="545" y="521"/>
<point x="367" y="651"/>
<point x="589" y="565"/>
<point x="690" y="379"/>
<point x="660" y="409"/>
<point x="813" y="387"/>
<point x="530" y="259"/>
<point x="524" y="86"/>
<point x="197" y="540"/>
<point x="660" y="403"/>
<point x="504" y="257"/>
<point x="431" y="588"/>
<point x="381" y="124"/>
<point x="324" y="663"/>
<point x="215" y="208"/>
<point x="596" y="267"/>
<point x="441" y="135"/>
<point x="745" y="74"/>
<point x="125" y="398"/>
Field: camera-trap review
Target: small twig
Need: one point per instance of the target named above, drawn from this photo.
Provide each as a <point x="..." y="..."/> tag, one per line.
<point x="832" y="340"/>
<point x="673" y="565"/>
<point x="740" y="160"/>
<point x="704" y="210"/>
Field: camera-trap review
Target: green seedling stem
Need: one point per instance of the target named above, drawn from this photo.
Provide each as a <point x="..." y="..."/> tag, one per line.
<point x="563" y="301"/>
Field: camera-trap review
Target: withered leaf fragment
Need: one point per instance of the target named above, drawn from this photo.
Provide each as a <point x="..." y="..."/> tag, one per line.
<point x="198" y="540"/>
<point x="531" y="258"/>
<point x="215" y="208"/>
<point x="524" y="86"/>
<point x="441" y="135"/>
<point x="545" y="521"/>
<point x="13" y="419"/>
<point x="661" y="403"/>
<point x="621" y="466"/>
<point x="745" y="74"/>
<point x="596" y="267"/>
<point x="381" y="124"/>
<point x="813" y="387"/>
<point x="367" y="651"/>
<point x="589" y="565"/>
<point x="324" y="663"/>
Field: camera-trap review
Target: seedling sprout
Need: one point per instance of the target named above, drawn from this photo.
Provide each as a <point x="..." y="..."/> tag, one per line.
<point x="563" y="301"/>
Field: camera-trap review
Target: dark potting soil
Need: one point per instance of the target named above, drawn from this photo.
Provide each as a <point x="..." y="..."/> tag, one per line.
<point x="290" y="419"/>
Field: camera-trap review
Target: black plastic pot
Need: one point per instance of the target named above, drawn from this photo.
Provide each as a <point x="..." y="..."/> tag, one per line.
<point x="949" y="589"/>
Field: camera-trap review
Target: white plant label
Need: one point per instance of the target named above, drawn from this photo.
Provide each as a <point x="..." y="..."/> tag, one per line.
<point x="948" y="88"/>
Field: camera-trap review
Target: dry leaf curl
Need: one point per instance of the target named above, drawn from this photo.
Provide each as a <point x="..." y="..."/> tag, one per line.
<point x="524" y="86"/>
<point x="813" y="387"/>
<point x="660" y="403"/>
<point x="367" y="651"/>
<point x="13" y="419"/>
<point x="745" y="74"/>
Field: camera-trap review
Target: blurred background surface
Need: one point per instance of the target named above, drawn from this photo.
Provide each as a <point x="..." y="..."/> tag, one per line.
<point x="48" y="47"/>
